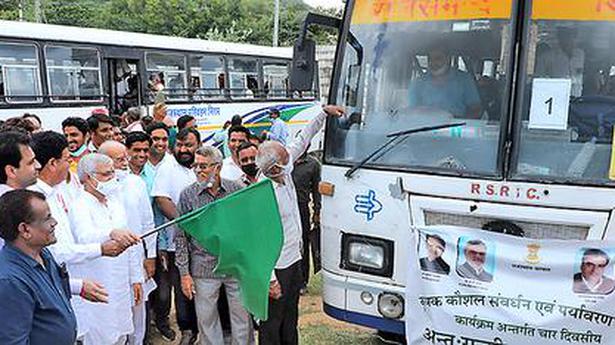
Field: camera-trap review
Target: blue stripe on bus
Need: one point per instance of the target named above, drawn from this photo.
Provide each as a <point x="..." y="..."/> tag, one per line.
<point x="264" y="112"/>
<point x="259" y="114"/>
<point x="379" y="323"/>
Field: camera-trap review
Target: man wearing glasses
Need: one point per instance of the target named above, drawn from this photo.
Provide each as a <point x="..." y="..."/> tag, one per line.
<point x="275" y="161"/>
<point x="196" y="265"/>
<point x="475" y="252"/>
<point x="591" y="279"/>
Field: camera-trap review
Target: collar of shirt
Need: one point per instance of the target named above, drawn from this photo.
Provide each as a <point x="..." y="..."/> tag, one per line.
<point x="16" y="254"/>
<point x="91" y="147"/>
<point x="478" y="270"/>
<point x="221" y="191"/>
<point x="165" y="158"/>
<point x="592" y="288"/>
<point x="5" y="188"/>
<point x="244" y="180"/>
<point x="43" y="187"/>
<point x="147" y="174"/>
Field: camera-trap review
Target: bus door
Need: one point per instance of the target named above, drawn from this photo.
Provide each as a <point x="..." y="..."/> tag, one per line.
<point x="124" y="80"/>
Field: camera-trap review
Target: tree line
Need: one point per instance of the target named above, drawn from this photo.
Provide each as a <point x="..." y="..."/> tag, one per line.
<point x="245" y="21"/>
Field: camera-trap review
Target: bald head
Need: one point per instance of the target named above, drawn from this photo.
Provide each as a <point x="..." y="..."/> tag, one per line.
<point x="117" y="152"/>
<point x="271" y="157"/>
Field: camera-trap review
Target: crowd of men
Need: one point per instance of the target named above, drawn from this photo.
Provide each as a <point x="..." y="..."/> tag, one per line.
<point x="74" y="206"/>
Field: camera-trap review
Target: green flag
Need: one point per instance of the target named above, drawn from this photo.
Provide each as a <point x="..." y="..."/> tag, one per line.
<point x="245" y="232"/>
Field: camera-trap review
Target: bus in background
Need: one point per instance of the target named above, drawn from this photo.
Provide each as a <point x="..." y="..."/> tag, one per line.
<point x="492" y="114"/>
<point x="60" y="71"/>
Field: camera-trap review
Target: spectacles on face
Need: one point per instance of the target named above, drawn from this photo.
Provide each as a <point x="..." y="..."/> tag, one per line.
<point x="476" y="253"/>
<point x="203" y="166"/>
<point x="594" y="265"/>
<point x="120" y="160"/>
<point x="275" y="170"/>
<point x="104" y="175"/>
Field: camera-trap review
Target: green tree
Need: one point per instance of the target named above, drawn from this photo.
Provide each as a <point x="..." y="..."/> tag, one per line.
<point x="247" y="21"/>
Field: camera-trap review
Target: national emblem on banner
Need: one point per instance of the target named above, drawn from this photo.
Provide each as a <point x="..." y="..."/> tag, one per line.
<point x="532" y="254"/>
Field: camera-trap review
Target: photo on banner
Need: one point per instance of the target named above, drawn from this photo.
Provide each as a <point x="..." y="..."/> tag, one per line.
<point x="436" y="252"/>
<point x="594" y="271"/>
<point x="476" y="259"/>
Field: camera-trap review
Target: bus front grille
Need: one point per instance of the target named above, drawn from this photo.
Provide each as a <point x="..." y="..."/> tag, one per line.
<point x="531" y="229"/>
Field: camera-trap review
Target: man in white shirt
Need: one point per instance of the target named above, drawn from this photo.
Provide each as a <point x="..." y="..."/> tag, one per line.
<point x="101" y="130"/>
<point x="51" y="151"/>
<point x="93" y="219"/>
<point x="136" y="200"/>
<point x="231" y="168"/>
<point x="276" y="163"/>
<point x="172" y="177"/>
<point x="18" y="166"/>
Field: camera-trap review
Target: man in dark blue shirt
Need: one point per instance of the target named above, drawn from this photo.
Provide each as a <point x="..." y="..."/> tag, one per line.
<point x="34" y="289"/>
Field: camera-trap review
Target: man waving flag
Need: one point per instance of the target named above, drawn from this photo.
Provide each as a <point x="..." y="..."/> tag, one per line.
<point x="243" y="230"/>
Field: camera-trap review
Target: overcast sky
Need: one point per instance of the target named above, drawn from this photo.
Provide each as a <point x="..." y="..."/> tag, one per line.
<point x="325" y="3"/>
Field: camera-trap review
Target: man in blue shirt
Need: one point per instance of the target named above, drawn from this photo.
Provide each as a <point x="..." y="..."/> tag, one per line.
<point x="279" y="129"/>
<point x="34" y="289"/>
<point x="444" y="88"/>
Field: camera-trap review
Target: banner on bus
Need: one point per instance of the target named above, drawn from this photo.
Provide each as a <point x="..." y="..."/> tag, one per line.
<point x="387" y="11"/>
<point x="470" y="287"/>
<point x="598" y="10"/>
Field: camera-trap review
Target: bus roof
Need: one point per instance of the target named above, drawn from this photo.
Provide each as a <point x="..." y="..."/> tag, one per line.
<point x="36" y="31"/>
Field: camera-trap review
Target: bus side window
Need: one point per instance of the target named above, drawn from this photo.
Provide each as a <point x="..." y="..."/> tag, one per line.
<point x="167" y="73"/>
<point x="243" y="75"/>
<point x="73" y="73"/>
<point x="275" y="74"/>
<point x="19" y="73"/>
<point x="207" y="76"/>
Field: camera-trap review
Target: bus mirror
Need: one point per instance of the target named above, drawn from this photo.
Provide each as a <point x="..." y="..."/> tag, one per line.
<point x="304" y="63"/>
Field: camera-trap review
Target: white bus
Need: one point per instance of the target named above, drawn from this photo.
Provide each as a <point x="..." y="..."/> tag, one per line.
<point x="530" y="89"/>
<point x="60" y="71"/>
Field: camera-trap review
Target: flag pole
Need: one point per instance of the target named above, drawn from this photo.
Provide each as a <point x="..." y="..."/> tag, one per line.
<point x="160" y="227"/>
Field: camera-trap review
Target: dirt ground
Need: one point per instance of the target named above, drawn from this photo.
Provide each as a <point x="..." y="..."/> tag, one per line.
<point x="315" y="327"/>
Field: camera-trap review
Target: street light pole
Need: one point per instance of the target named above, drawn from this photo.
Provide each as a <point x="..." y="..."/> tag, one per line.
<point x="276" y="22"/>
<point x="21" y="10"/>
<point x="38" y="11"/>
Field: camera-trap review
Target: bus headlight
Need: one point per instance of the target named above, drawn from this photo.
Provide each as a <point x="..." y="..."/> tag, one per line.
<point x="391" y="305"/>
<point x="367" y="255"/>
<point x="363" y="254"/>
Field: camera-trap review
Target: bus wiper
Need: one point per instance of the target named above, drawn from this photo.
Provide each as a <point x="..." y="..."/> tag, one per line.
<point x="394" y="136"/>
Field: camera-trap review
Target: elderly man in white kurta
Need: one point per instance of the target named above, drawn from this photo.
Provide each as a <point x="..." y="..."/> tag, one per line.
<point x="276" y="163"/>
<point x="92" y="219"/>
<point x="140" y="219"/>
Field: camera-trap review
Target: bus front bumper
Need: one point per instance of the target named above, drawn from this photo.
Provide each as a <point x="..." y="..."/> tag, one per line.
<point x="348" y="299"/>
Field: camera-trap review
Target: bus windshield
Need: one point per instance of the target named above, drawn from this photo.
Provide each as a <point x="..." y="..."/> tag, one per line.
<point x="567" y="88"/>
<point x="407" y="65"/>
